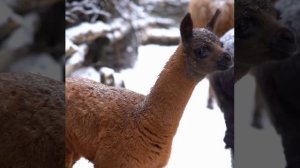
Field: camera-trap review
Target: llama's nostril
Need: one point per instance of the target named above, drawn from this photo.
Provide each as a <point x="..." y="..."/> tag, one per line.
<point x="286" y="36"/>
<point x="225" y="62"/>
<point x="283" y="41"/>
<point x="226" y="57"/>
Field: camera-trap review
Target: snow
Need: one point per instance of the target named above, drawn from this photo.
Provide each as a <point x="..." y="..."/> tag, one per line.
<point x="77" y="56"/>
<point x="116" y="29"/>
<point x="199" y="138"/>
<point x="254" y="148"/>
<point x="159" y="32"/>
<point x="23" y="35"/>
<point x="99" y="26"/>
<point x="87" y="72"/>
<point x="42" y="64"/>
<point x="162" y="1"/>
<point x="5" y="12"/>
<point x="70" y="45"/>
<point x="85" y="28"/>
<point x="228" y="41"/>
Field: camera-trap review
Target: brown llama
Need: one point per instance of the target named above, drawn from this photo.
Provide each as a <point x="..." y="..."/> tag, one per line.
<point x="114" y="127"/>
<point x="202" y="10"/>
<point x="32" y="121"/>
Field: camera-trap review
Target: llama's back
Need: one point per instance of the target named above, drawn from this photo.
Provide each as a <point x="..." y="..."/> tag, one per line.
<point x="202" y="10"/>
<point x="32" y="121"/>
<point x="96" y="113"/>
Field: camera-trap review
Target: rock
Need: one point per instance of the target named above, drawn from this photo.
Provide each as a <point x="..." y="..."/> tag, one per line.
<point x="23" y="35"/>
<point x="24" y="6"/>
<point x="87" y="72"/>
<point x="7" y="28"/>
<point x="42" y="64"/>
<point x="161" y="36"/>
<point x="70" y="47"/>
<point x="166" y="8"/>
<point x="76" y="60"/>
<point x="111" y="78"/>
<point x="228" y="41"/>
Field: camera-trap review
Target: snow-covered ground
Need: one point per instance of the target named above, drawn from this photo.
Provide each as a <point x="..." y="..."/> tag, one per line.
<point x="199" y="139"/>
<point x="254" y="148"/>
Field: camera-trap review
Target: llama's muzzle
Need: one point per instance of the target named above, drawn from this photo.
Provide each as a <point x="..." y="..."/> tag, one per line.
<point x="282" y="44"/>
<point x="225" y="62"/>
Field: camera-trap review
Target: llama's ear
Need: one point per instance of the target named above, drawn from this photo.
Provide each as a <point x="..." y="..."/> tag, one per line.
<point x="186" y="29"/>
<point x="211" y="24"/>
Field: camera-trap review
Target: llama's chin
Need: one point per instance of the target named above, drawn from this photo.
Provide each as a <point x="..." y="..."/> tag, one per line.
<point x="281" y="55"/>
<point x="223" y="66"/>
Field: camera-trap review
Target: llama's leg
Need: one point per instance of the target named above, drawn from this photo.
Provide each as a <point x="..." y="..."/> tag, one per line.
<point x="70" y="158"/>
<point x="290" y="140"/>
<point x="112" y="159"/>
<point x="232" y="157"/>
<point x="258" y="107"/>
<point x="210" y="98"/>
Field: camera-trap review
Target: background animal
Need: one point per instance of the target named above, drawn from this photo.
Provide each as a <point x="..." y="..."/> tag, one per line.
<point x="202" y="10"/>
<point x="260" y="37"/>
<point x="277" y="85"/>
<point x="222" y="87"/>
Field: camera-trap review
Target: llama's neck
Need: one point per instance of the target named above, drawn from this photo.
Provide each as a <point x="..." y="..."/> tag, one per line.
<point x="163" y="107"/>
<point x="240" y="71"/>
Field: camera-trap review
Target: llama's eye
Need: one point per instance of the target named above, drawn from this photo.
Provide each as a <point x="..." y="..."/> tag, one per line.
<point x="202" y="52"/>
<point x="222" y="44"/>
<point x="278" y="14"/>
<point x="245" y="27"/>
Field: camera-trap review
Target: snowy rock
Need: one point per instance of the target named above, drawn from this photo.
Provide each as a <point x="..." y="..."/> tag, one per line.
<point x="111" y="78"/>
<point x="20" y="28"/>
<point x="42" y="64"/>
<point x="70" y="47"/>
<point x="24" y="34"/>
<point x="24" y="6"/>
<point x="75" y="61"/>
<point x="84" y="11"/>
<point x="161" y="36"/>
<point x="166" y="8"/>
<point x="87" y="72"/>
<point x="228" y="41"/>
<point x="6" y="12"/>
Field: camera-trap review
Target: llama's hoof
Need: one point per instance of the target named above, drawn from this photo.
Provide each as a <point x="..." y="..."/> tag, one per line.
<point x="257" y="125"/>
<point x="210" y="106"/>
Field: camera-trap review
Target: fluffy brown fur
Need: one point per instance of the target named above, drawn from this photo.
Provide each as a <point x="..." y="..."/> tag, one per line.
<point x="32" y="121"/>
<point x="114" y="127"/>
<point x="203" y="10"/>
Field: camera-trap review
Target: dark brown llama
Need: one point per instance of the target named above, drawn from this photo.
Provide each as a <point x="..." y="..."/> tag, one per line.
<point x="259" y="36"/>
<point x="278" y="87"/>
